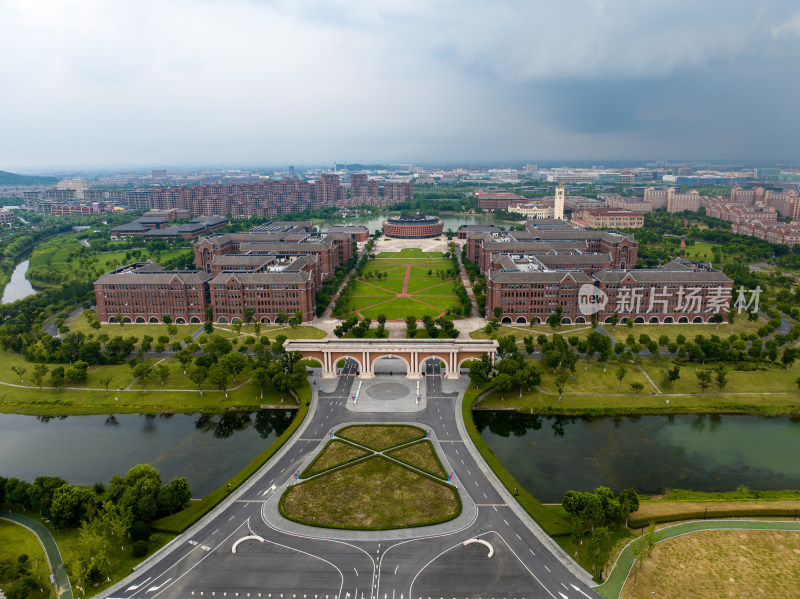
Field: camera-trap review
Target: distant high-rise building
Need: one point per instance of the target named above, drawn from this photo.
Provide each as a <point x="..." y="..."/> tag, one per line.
<point x="361" y="187"/>
<point x="159" y="173"/>
<point x="291" y="171"/>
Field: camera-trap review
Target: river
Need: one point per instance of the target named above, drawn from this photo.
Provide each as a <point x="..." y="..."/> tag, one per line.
<point x="551" y="455"/>
<point x="18" y="287"/>
<point x="206" y="449"/>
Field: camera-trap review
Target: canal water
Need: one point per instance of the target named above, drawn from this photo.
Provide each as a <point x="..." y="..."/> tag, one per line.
<point x="18" y="286"/>
<point x="206" y="449"/>
<point x="551" y="455"/>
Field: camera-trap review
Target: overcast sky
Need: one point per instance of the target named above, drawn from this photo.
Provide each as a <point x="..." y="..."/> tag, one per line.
<point x="168" y="82"/>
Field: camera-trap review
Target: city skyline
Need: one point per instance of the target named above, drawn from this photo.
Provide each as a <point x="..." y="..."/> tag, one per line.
<point x="180" y="83"/>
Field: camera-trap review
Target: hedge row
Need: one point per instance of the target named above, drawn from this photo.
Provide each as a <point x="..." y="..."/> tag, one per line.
<point x="714" y="513"/>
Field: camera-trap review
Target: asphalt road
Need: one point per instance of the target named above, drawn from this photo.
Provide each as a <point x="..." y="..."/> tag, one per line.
<point x="297" y="566"/>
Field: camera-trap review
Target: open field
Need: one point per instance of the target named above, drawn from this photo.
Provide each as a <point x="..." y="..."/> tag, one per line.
<point x="421" y="455"/>
<point x="17" y="540"/>
<point x="381" y="437"/>
<point x="670" y="511"/>
<point x="771" y="379"/>
<point x="405" y="287"/>
<point x="334" y="454"/>
<point x="372" y="494"/>
<point x="720" y="563"/>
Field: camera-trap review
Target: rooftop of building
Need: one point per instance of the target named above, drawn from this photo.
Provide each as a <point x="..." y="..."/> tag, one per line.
<point x="413" y="219"/>
<point x="150" y="273"/>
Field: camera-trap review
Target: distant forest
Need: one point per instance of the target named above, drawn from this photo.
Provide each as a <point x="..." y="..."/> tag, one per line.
<point x="10" y="179"/>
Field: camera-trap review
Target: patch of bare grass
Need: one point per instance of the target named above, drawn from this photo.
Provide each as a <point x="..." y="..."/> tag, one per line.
<point x="720" y="563"/>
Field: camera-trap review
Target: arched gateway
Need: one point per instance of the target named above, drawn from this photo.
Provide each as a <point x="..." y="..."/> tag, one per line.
<point x="414" y="352"/>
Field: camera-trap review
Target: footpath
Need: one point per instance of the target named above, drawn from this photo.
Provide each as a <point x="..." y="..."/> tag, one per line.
<point x="63" y="588"/>
<point x="612" y="587"/>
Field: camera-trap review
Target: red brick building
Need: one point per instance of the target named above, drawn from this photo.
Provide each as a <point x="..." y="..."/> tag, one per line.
<point x="679" y="292"/>
<point x="397" y="192"/>
<point x="413" y="226"/>
<point x="608" y="218"/>
<point x="491" y="200"/>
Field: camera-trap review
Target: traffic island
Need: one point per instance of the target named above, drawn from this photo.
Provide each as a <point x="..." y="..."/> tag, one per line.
<point x="355" y="486"/>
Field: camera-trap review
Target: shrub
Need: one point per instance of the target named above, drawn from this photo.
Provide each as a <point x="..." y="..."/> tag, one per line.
<point x="139" y="549"/>
<point x="140" y="531"/>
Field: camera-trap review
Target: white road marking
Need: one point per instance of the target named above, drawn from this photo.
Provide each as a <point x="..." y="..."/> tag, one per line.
<point x="531" y="550"/>
<point x="215" y="532"/>
<point x="495" y="507"/>
<point x="155" y="588"/>
<point x="580" y="591"/>
<point x="356" y="571"/>
<point x="136" y="586"/>
<point x="506" y="521"/>
<point x="546" y="568"/>
<point x="395" y="568"/>
<point x="231" y="518"/>
<point x="519" y="537"/>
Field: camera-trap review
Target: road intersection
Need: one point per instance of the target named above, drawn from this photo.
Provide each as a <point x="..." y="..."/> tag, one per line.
<point x="244" y="550"/>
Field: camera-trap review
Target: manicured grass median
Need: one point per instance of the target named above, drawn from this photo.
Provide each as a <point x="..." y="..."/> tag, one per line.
<point x="335" y="453"/>
<point x="381" y="437"/>
<point x="373" y="494"/>
<point x="421" y="455"/>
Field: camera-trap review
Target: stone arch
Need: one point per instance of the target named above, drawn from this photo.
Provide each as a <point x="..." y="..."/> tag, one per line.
<point x="112" y="319"/>
<point x="638" y="320"/>
<point x="669" y="320"/>
<point x="580" y="320"/>
<point x="139" y="320"/>
<point x="378" y="358"/>
<point x="683" y="319"/>
<point x="608" y="320"/>
<point x="180" y="320"/>
<point x="223" y="320"/>
<point x="653" y="320"/>
<point x="335" y="361"/>
<point x="236" y="319"/>
<point x="128" y="319"/>
<point x="153" y="320"/>
<point x="194" y="320"/>
<point x="566" y="320"/>
<point x="421" y="365"/>
<point x="313" y="359"/>
<point x="521" y="320"/>
<point x="506" y="320"/>
<point x="698" y="319"/>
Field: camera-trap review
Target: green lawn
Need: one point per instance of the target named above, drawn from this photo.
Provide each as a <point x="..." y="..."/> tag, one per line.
<point x="397" y="309"/>
<point x="372" y="494"/>
<point x="17" y="540"/>
<point x="421" y="455"/>
<point x="381" y="437"/>
<point x="335" y="453"/>
<point x="772" y="379"/>
<point x="417" y="285"/>
<point x="377" y="289"/>
<point x="135" y="330"/>
<point x="377" y="286"/>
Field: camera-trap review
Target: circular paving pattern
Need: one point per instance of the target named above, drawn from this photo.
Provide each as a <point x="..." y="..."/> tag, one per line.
<point x="388" y="391"/>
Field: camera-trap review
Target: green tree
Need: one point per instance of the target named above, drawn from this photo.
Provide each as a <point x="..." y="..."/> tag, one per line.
<point x="637" y="387"/>
<point x="162" y="372"/>
<point x="703" y="379"/>
<point x="218" y="376"/>
<point x="57" y="377"/>
<point x="138" y="491"/>
<point x="141" y="372"/>
<point x="70" y="505"/>
<point x="503" y="383"/>
<point x="20" y="372"/>
<point x="198" y="375"/>
<point x="620" y="373"/>
<point x="172" y="497"/>
<point x="234" y="362"/>
<point x="561" y="383"/>
<point x="651" y="538"/>
<point x="105" y="380"/>
<point x="261" y="376"/>
<point x="598" y="549"/>
<point x="478" y="374"/>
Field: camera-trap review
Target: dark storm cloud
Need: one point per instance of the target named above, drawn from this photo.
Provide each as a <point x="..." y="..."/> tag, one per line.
<point x="179" y="81"/>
